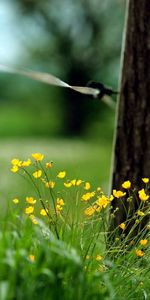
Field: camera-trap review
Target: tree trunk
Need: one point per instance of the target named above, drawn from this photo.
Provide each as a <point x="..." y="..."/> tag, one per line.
<point x="132" y="137"/>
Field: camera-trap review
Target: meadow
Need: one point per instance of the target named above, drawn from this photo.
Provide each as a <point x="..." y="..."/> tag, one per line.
<point x="54" y="224"/>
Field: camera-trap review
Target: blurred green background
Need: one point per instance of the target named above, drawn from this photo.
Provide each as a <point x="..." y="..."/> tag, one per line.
<point x="76" y="41"/>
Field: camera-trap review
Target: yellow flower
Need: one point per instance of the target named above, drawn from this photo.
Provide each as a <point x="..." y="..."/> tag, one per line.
<point x="88" y="196"/>
<point x="89" y="211"/>
<point x="31" y="257"/>
<point x="26" y="163"/>
<point x="38" y="156"/>
<point x="20" y="163"/>
<point x="145" y="180"/>
<point x="15" y="201"/>
<point x="73" y="182"/>
<point x="139" y="253"/>
<point x="48" y="165"/>
<point x="37" y="174"/>
<point x="14" y="169"/>
<point x="60" y="202"/>
<point x="50" y="184"/>
<point x="140" y="213"/>
<point x="61" y="174"/>
<point x="68" y="184"/>
<point x="33" y="219"/>
<point x="99" y="257"/>
<point x="29" y="210"/>
<point x="78" y="182"/>
<point x="102" y="201"/>
<point x="58" y="208"/>
<point x="142" y="195"/>
<point x="126" y="184"/>
<point x="143" y="242"/>
<point x="92" y="194"/>
<point x="118" y="194"/>
<point x="87" y="186"/>
<point x="15" y="161"/>
<point x="111" y="198"/>
<point x="122" y="226"/>
<point x="43" y="212"/>
<point x="30" y="200"/>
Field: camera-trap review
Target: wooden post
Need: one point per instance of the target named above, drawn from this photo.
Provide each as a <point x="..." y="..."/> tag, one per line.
<point x="131" y="159"/>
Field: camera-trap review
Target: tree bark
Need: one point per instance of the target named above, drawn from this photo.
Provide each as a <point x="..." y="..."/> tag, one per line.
<point x="132" y="138"/>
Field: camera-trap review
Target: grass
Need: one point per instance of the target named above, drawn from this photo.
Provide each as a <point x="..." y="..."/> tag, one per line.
<point x="64" y="254"/>
<point x="59" y="272"/>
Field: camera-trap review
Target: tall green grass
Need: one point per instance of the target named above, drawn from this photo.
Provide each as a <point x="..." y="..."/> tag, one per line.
<point x="58" y="271"/>
<point x="64" y="254"/>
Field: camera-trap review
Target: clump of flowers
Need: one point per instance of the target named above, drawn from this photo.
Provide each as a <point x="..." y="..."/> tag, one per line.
<point x="71" y="205"/>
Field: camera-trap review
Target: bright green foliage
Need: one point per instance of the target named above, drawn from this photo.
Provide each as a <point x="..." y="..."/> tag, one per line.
<point x="53" y="243"/>
<point x="58" y="272"/>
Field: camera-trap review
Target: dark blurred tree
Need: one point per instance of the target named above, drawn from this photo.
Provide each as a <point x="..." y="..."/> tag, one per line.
<point x="74" y="36"/>
<point x="132" y="141"/>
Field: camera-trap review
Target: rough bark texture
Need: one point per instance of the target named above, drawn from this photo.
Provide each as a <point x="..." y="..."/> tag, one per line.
<point x="132" y="141"/>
